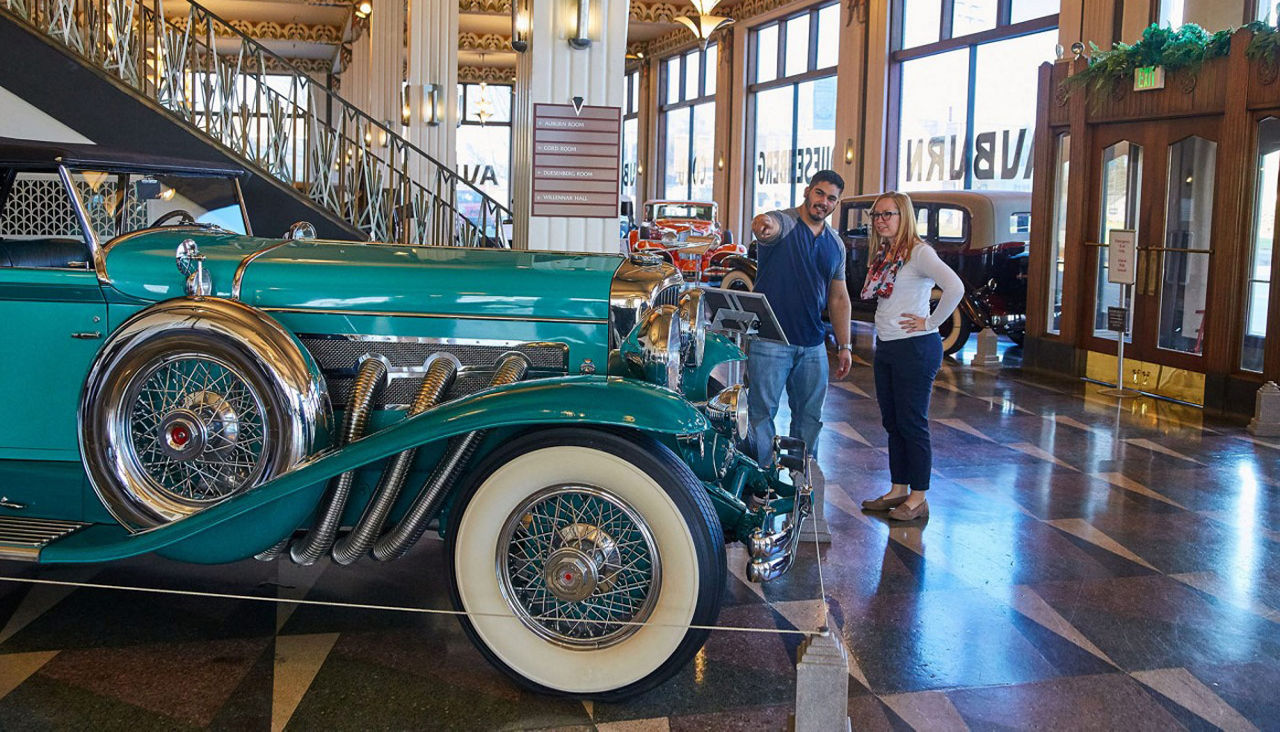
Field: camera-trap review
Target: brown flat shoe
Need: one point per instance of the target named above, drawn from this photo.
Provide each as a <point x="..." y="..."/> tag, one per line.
<point x="882" y="503"/>
<point x="905" y="513"/>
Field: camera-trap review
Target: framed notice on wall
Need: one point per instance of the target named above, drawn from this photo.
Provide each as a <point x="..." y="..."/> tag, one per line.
<point x="1122" y="257"/>
<point x="576" y="160"/>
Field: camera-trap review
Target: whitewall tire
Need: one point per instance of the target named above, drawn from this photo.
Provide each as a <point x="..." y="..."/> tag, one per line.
<point x="581" y="557"/>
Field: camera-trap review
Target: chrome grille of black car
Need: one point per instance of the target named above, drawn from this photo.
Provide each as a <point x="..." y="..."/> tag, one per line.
<point x="338" y="358"/>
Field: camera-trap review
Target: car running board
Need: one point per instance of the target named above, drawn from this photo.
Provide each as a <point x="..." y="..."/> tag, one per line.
<point x="22" y="538"/>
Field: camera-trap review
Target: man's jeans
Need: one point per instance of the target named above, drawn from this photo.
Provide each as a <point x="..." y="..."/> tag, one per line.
<point x="802" y="370"/>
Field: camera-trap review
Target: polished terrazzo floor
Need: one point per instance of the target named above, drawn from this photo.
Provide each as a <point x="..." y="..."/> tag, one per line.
<point x="1085" y="566"/>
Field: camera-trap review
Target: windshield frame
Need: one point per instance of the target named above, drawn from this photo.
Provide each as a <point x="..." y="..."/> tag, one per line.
<point x="95" y="241"/>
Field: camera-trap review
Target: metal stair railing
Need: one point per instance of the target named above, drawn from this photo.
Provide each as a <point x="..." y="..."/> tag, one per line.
<point x="275" y="118"/>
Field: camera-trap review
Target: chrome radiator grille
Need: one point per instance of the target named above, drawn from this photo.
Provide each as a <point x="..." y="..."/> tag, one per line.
<point x="338" y="357"/>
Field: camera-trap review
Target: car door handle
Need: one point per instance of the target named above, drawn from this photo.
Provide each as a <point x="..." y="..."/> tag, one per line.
<point x="6" y="503"/>
<point x="87" y="335"/>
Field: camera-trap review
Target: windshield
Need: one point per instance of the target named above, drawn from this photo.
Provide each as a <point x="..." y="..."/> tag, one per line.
<point x="701" y="211"/>
<point x="120" y="203"/>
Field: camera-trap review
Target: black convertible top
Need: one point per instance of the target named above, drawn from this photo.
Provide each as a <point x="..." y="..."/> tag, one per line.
<point x="39" y="155"/>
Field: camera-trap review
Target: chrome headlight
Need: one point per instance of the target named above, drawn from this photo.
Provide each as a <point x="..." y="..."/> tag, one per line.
<point x="727" y="412"/>
<point x="693" y="318"/>
<point x="659" y="337"/>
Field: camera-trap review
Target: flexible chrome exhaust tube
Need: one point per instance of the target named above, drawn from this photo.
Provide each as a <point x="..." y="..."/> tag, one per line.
<point x="442" y="368"/>
<point x="370" y="378"/>
<point x="395" y="543"/>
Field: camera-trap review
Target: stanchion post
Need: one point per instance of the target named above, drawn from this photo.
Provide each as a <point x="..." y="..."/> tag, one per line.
<point x="822" y="684"/>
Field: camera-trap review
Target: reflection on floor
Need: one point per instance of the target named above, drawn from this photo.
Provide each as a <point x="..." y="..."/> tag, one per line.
<point x="1085" y="565"/>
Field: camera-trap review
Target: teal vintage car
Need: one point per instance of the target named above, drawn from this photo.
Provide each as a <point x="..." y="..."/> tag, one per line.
<point x="175" y="383"/>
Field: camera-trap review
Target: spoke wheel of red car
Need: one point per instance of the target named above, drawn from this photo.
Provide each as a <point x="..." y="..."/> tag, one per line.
<point x="191" y="402"/>
<point x="581" y="558"/>
<point x="738" y="280"/>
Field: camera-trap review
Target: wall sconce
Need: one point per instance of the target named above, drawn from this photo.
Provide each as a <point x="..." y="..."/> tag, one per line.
<point x="406" y="108"/>
<point x="384" y="134"/>
<point x="364" y="8"/>
<point x="848" y="151"/>
<point x="580" y="39"/>
<point x="706" y="23"/>
<point x="431" y="112"/>
<point x="519" y="26"/>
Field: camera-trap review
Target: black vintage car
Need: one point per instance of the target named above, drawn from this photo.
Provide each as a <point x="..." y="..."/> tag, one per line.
<point x="982" y="235"/>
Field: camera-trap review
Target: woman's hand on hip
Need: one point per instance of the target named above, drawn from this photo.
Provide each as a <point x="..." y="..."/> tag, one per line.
<point x="912" y="323"/>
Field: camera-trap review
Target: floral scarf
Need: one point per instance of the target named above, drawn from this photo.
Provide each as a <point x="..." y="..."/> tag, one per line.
<point x="880" y="275"/>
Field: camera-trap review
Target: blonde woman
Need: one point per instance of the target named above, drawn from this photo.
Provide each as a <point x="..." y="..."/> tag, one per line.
<point x="902" y="274"/>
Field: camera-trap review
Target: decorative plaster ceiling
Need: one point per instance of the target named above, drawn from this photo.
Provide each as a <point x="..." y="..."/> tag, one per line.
<point x="311" y="31"/>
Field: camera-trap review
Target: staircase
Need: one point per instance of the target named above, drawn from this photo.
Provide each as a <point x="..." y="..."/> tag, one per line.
<point x="298" y="138"/>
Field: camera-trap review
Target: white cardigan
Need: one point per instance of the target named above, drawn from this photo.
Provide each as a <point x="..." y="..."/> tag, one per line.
<point x="911" y="290"/>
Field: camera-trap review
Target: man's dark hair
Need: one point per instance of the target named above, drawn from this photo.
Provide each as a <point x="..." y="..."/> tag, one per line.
<point x="827" y="176"/>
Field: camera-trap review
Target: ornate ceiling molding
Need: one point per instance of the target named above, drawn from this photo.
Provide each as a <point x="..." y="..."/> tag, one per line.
<point x="640" y="11"/>
<point x="483" y="42"/>
<point x="487" y="74"/>
<point x="270" y="31"/>
<point x="316" y="66"/>
<point x="485" y="7"/>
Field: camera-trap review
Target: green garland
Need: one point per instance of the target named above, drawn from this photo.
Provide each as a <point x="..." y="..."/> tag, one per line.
<point x="1186" y="48"/>
<point x="1265" y="42"/>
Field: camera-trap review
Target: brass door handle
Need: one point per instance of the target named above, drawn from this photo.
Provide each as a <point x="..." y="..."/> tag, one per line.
<point x="1152" y="270"/>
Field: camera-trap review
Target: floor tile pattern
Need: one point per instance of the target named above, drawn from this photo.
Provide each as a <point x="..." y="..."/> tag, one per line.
<point x="1087" y="564"/>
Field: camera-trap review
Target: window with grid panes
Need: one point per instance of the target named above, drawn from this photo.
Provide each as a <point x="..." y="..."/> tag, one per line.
<point x="631" y="138"/>
<point x="484" y="140"/>
<point x="792" y="104"/>
<point x="965" y="74"/>
<point x="686" y="124"/>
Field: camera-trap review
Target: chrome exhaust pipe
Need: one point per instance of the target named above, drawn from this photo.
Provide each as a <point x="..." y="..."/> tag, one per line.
<point x="399" y="540"/>
<point x="442" y="369"/>
<point x="766" y="561"/>
<point x="371" y="377"/>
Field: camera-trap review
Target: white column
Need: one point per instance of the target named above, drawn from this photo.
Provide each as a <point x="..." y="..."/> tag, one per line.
<point x="433" y="59"/>
<point x="597" y="74"/>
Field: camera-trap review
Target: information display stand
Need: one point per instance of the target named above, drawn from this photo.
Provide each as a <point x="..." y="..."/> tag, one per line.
<point x="1122" y="270"/>
<point x="740" y="314"/>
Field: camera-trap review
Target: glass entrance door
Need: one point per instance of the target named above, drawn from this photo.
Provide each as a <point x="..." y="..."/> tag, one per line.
<point x="1156" y="179"/>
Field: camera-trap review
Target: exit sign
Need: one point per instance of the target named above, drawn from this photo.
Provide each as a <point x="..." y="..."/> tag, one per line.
<point x="1146" y="78"/>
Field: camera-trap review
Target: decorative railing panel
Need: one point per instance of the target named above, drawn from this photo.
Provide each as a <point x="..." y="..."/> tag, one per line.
<point x="208" y="73"/>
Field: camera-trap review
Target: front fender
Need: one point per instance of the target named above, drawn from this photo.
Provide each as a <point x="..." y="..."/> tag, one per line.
<point x="737" y="261"/>
<point x="253" y="520"/>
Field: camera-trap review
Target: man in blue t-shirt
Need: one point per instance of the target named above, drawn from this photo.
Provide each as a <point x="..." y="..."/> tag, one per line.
<point x="801" y="271"/>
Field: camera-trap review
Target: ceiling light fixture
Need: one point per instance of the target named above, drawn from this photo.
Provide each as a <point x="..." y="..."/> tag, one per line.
<point x="364" y="8"/>
<point x="705" y="24"/>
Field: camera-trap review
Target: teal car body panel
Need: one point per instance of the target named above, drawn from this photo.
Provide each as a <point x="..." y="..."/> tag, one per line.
<point x="239" y="527"/>
<point x="388" y="279"/>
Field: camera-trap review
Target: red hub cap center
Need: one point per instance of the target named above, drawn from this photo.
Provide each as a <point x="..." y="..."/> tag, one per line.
<point x="179" y="436"/>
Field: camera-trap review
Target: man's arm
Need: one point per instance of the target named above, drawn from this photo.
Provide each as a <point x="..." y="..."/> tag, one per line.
<point x="766" y="227"/>
<point x="839" y="312"/>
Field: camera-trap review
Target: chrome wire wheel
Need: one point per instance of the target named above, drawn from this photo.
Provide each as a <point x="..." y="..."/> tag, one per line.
<point x="191" y="402"/>
<point x="197" y="428"/>
<point x="578" y="566"/>
<point x="587" y="562"/>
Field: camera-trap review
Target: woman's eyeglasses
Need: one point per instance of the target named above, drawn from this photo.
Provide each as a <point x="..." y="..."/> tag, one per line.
<point x="876" y="215"/>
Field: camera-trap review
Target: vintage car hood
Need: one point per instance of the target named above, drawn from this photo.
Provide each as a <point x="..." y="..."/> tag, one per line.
<point x="371" y="277"/>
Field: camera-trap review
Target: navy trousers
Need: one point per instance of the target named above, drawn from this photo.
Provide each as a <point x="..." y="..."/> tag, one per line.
<point x="904" y="371"/>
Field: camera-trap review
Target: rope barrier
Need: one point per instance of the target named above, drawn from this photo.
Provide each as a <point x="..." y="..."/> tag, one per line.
<point x="396" y="608"/>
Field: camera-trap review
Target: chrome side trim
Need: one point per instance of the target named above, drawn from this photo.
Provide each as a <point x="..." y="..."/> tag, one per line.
<point x="452" y="316"/>
<point x="95" y="251"/>
<point x="244" y="265"/>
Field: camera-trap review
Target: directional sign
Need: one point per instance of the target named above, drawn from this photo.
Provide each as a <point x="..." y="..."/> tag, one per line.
<point x="575" y="160"/>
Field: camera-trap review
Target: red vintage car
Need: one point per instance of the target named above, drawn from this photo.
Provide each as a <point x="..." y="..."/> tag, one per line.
<point x="688" y="234"/>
